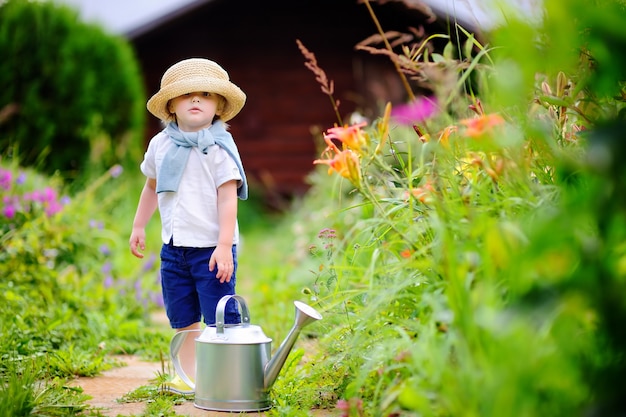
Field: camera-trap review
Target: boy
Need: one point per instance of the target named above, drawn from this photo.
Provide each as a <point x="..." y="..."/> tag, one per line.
<point x="194" y="176"/>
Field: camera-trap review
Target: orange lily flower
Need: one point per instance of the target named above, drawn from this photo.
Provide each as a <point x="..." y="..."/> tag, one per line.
<point x="479" y="126"/>
<point x="492" y="164"/>
<point x="425" y="193"/>
<point x="345" y="163"/>
<point x="350" y="136"/>
<point x="444" y="139"/>
<point x="444" y="136"/>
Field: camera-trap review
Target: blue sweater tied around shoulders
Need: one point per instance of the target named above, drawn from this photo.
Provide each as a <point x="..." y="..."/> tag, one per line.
<point x="171" y="172"/>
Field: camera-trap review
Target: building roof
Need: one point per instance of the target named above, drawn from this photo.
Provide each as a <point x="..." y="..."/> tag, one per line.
<point x="132" y="18"/>
<point x="129" y="17"/>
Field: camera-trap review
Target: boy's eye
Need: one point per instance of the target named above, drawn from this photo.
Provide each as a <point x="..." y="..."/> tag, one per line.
<point x="203" y="94"/>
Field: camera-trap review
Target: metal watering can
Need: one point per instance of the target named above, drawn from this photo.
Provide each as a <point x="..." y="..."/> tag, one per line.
<point x="234" y="371"/>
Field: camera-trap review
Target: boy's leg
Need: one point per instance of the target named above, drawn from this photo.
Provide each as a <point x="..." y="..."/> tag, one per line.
<point x="182" y="307"/>
<point x="187" y="351"/>
<point x="209" y="288"/>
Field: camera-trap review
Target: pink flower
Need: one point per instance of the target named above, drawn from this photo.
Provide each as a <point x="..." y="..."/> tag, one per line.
<point x="52" y="208"/>
<point x="419" y="110"/>
<point x="49" y="195"/>
<point x="9" y="211"/>
<point x="5" y="179"/>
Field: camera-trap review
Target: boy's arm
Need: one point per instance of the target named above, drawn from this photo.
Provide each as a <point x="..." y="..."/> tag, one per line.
<point x="227" y="212"/>
<point x="145" y="209"/>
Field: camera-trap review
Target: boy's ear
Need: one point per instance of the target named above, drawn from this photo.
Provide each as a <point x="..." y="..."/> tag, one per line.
<point x="221" y="105"/>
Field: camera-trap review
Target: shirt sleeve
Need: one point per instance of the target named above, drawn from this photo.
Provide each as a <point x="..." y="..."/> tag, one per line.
<point x="148" y="165"/>
<point x="224" y="168"/>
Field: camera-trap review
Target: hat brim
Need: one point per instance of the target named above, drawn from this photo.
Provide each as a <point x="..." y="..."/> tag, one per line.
<point x="235" y="98"/>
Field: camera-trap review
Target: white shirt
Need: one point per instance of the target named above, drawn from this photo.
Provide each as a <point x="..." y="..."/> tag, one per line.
<point x="190" y="215"/>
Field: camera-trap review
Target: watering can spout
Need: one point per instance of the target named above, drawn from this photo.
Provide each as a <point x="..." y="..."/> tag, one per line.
<point x="304" y="315"/>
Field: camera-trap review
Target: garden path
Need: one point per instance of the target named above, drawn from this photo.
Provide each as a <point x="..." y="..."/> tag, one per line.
<point x="107" y="388"/>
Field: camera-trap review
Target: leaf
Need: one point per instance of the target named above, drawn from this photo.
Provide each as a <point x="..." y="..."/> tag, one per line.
<point x="448" y="51"/>
<point x="438" y="58"/>
<point x="469" y="46"/>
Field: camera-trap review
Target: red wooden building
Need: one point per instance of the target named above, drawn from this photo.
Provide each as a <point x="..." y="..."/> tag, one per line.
<point x="255" y="42"/>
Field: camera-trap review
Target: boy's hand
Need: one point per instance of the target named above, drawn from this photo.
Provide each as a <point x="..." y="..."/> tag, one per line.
<point x="222" y="258"/>
<point x="138" y="242"/>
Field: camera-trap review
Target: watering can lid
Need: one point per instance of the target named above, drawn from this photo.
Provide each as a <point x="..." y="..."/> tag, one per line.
<point x="238" y="334"/>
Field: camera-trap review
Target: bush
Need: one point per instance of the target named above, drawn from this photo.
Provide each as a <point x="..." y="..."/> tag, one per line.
<point x="71" y="95"/>
<point x="66" y="298"/>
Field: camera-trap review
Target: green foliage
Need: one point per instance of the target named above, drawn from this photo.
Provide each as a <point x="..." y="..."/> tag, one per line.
<point x="72" y="95"/>
<point x="24" y="392"/>
<point x="579" y="38"/>
<point x="68" y="307"/>
<point x="161" y="407"/>
<point x="476" y="267"/>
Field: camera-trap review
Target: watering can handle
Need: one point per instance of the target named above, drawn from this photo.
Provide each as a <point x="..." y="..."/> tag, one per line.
<point x="221" y="306"/>
<point x="175" y="345"/>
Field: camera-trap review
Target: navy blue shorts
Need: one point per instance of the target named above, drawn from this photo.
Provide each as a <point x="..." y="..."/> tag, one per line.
<point x="190" y="291"/>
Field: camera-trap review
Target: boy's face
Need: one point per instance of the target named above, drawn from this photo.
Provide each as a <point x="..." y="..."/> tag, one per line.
<point x="194" y="111"/>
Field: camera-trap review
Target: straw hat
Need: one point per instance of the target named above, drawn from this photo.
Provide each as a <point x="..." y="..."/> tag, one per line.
<point x="196" y="74"/>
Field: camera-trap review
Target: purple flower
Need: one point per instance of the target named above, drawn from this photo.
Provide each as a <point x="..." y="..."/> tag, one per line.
<point x="138" y="291"/>
<point x="21" y="179"/>
<point x="95" y="224"/>
<point x="417" y="111"/>
<point x="106" y="267"/>
<point x="157" y="298"/>
<point x="104" y="249"/>
<point x="327" y="234"/>
<point x="108" y="281"/>
<point x="116" y="171"/>
<point x="149" y="263"/>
